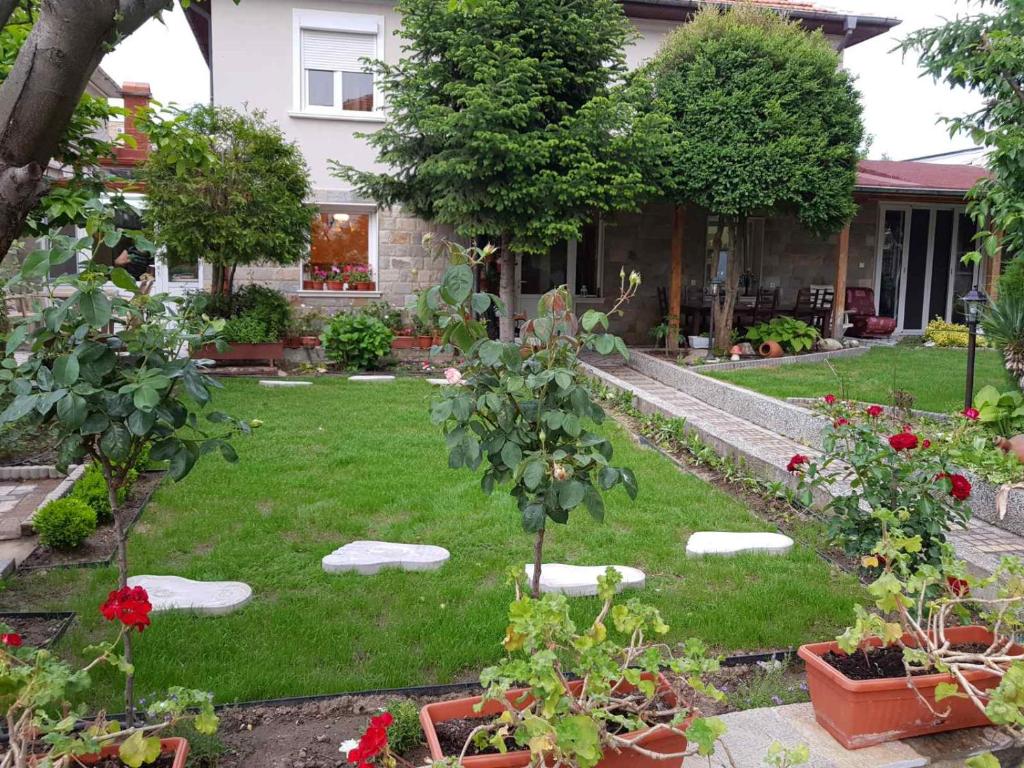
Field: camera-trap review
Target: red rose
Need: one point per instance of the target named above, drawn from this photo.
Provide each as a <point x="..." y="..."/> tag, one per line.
<point x="796" y="462"/>
<point x="840" y="422"/>
<point x="960" y="486"/>
<point x="970" y="413"/>
<point x="129" y="605"/>
<point x="903" y="441"/>
<point x="875" y="411"/>
<point x="830" y="399"/>
<point x="12" y="639"/>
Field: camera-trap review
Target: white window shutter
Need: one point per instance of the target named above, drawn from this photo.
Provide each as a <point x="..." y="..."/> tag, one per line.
<point x="337" y="51"/>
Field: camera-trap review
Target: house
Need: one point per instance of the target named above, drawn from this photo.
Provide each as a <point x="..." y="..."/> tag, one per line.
<point x="299" y="61"/>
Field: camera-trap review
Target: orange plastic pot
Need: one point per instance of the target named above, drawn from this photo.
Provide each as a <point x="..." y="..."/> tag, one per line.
<point x="663" y="742"/>
<point x="424" y="342"/>
<point x="862" y="713"/>
<point x="170" y="746"/>
<point x="770" y="349"/>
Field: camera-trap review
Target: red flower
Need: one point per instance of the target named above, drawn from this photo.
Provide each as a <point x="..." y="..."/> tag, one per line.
<point x="12" y="639"/>
<point x="970" y="413"/>
<point x="958" y="587"/>
<point x="926" y="444"/>
<point x="830" y="399"/>
<point x="903" y="441"/>
<point x="129" y="605"/>
<point x="875" y="411"/>
<point x="796" y="462"/>
<point x="840" y="422"/>
<point x="960" y="486"/>
<point x="373" y="742"/>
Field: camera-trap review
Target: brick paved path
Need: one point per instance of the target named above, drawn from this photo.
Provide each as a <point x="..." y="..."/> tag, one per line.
<point x="19" y="500"/>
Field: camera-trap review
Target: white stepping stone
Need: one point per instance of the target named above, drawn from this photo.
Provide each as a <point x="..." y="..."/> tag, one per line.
<point x="369" y="557"/>
<point x="438" y="382"/>
<point x="371" y="377"/>
<point x="284" y="383"/>
<point x="727" y="544"/>
<point x="203" y="598"/>
<point x="581" y="580"/>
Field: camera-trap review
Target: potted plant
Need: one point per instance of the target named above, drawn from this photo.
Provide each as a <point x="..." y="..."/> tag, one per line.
<point x="38" y="683"/>
<point x="335" y="281"/>
<point x="703" y="341"/>
<point x="406" y="339"/>
<point x="782" y="334"/>
<point x="255" y="321"/>
<point x="628" y="714"/>
<point x="423" y="332"/>
<point x="305" y="328"/>
<point x="907" y="670"/>
<point x="316" y="280"/>
<point x="360" y="277"/>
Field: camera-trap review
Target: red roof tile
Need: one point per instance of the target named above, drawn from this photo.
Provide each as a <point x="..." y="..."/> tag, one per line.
<point x="910" y="176"/>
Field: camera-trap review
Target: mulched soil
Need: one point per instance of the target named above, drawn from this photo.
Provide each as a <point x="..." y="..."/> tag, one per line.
<point x="28" y="446"/>
<point x="882" y="663"/>
<point x="35" y="631"/>
<point x="102" y="544"/>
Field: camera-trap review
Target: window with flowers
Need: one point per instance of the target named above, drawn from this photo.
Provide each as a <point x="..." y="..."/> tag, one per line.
<point x="342" y="252"/>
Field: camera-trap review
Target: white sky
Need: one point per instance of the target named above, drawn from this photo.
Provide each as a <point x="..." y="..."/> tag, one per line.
<point x="900" y="107"/>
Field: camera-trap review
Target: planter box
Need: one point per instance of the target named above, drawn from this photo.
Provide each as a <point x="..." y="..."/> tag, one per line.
<point x="170" y="746"/>
<point x="699" y="342"/>
<point x="403" y="342"/>
<point x="458" y="709"/>
<point x="862" y="713"/>
<point x="272" y="351"/>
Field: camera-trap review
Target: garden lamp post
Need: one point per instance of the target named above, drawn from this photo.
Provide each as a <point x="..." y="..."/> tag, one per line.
<point x="973" y="302"/>
<point x="711" y="322"/>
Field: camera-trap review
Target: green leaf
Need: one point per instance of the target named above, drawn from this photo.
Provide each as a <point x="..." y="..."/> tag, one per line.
<point x="987" y="760"/>
<point x="206" y="722"/>
<point x="182" y="463"/>
<point x="16" y="339"/>
<point x="65" y="370"/>
<point x="71" y="411"/>
<point x="116" y="442"/>
<point x="137" y="750"/>
<point x="570" y="494"/>
<point x="533" y="518"/>
<point x="457" y="284"/>
<point x="946" y="690"/>
<point x="579" y="735"/>
<point x="592" y="318"/>
<point x="95" y="423"/>
<point x="95" y="306"/>
<point x="629" y="481"/>
<point x="511" y="454"/>
<point x="594" y="503"/>
<point x="704" y="732"/>
<point x="120" y="277"/>
<point x="140" y="422"/>
<point x="146" y="398"/>
<point x="533" y="474"/>
<point x="228" y="452"/>
<point x="20" y="407"/>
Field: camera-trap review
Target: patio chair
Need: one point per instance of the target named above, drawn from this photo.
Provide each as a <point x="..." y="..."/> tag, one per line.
<point x="865" y="322"/>
<point x="767" y="305"/>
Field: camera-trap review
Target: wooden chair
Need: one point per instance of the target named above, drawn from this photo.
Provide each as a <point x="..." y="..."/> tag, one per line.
<point x="767" y="305"/>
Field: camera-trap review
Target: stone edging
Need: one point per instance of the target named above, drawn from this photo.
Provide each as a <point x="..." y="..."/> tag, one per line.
<point x="63" y="489"/>
<point x="30" y="472"/>
<point x="812" y="401"/>
<point x="775" y="362"/>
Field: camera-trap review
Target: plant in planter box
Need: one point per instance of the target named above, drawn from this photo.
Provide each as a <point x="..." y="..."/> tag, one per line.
<point x="359" y="277"/>
<point x="885" y="466"/>
<point x="789" y="333"/>
<point x="914" y="654"/>
<point x="42" y="720"/>
<point x="356" y="341"/>
<point x="387" y="314"/>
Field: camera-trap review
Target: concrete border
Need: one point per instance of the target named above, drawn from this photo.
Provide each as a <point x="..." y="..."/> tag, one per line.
<point x="775" y="362"/>
<point x="63" y="489"/>
<point x="30" y="472"/>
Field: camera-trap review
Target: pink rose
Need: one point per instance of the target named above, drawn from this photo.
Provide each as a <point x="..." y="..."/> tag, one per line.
<point x="452" y="375"/>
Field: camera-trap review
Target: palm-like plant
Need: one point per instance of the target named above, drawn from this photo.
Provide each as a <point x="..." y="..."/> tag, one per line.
<point x="1003" y="324"/>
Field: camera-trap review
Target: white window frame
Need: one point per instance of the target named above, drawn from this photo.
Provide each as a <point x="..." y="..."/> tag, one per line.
<point x="570" y="270"/>
<point x="332" y="21"/>
<point x="372" y="249"/>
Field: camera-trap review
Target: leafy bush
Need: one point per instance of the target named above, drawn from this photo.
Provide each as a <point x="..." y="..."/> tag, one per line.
<point x="945" y="334"/>
<point x="64" y="523"/>
<point x="405" y="731"/>
<point x="247" y="329"/>
<point x="1011" y="282"/>
<point x="790" y="334"/>
<point x="255" y="314"/>
<point x="1002" y="412"/>
<point x="92" y="489"/>
<point x="1003" y="323"/>
<point x="266" y="304"/>
<point x="356" y="342"/>
<point x="387" y="314"/>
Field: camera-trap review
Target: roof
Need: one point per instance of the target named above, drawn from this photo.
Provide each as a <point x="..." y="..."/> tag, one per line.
<point x="102" y="84"/>
<point x="914" y="177"/>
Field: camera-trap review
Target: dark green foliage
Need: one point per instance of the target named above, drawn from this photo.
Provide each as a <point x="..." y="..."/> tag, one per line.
<point x="387" y="314"/>
<point x="791" y="334"/>
<point x="255" y="314"/>
<point x="64" y="523"/>
<point x="405" y="732"/>
<point x="1011" y="282"/>
<point x="356" y="342"/>
<point x="1003" y="323"/>
<point x="246" y="329"/>
<point x="503" y="119"/>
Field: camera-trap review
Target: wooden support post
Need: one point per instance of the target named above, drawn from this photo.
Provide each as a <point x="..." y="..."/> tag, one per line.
<point x="994" y="269"/>
<point x="675" y="290"/>
<point x="842" y="266"/>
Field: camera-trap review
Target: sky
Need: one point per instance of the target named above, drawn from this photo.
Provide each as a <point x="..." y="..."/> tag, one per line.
<point x="901" y="109"/>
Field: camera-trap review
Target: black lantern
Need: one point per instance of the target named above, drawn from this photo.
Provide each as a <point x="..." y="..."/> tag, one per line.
<point x="974" y="301"/>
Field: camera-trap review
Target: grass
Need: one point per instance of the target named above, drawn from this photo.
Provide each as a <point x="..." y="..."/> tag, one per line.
<point x="340" y="461"/>
<point x="934" y="376"/>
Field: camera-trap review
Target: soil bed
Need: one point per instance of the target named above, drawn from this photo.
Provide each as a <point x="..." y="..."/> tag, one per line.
<point x="881" y="663"/>
<point x="100" y="546"/>
<point x="37" y="630"/>
<point x="27" y="445"/>
<point x="164" y="761"/>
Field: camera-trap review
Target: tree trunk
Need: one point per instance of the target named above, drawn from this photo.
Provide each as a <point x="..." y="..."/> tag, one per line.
<point x="538" y="560"/>
<point x="39" y="95"/>
<point x="506" y="291"/>
<point x="724" y="312"/>
<point x="122" y="581"/>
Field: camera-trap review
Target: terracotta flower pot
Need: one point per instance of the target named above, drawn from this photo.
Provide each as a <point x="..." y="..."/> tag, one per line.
<point x="663" y="742"/>
<point x="175" y="746"/>
<point x="424" y="342"/>
<point x="310" y="342"/>
<point x="770" y="349"/>
<point x="862" y="713"/>
<point x="364" y="286"/>
<point x="335" y="285"/>
<point x="293" y="342"/>
<point x="311" y="285"/>
<point x="403" y="342"/>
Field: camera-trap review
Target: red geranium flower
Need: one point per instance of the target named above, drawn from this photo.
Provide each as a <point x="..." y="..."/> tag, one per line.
<point x="926" y="444"/>
<point x="903" y="441"/>
<point x="840" y="422"/>
<point x="958" y="587"/>
<point x="373" y="742"/>
<point x="970" y="413"/>
<point x="960" y="486"/>
<point x="875" y="411"/>
<point x="796" y="462"/>
<point x="830" y="399"/>
<point x="13" y="639"/>
<point x="129" y="605"/>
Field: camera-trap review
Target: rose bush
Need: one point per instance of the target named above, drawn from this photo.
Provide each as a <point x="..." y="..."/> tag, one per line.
<point x="872" y="461"/>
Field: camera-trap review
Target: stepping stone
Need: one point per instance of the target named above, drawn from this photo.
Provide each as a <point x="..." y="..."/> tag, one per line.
<point x="727" y="544"/>
<point x="438" y="382"/>
<point x="203" y="598"/>
<point x="371" y="377"/>
<point x="369" y="557"/>
<point x="284" y="383"/>
<point x="581" y="580"/>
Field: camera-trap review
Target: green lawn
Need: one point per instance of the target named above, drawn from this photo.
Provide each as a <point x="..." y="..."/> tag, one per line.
<point x="935" y="376"/>
<point x="340" y="461"/>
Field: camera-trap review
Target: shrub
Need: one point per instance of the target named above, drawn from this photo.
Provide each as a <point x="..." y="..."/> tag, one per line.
<point x="405" y="732"/>
<point x="790" y="334"/>
<point x="387" y="314"/>
<point x="65" y="523"/>
<point x="356" y="342"/>
<point x="1011" y="282"/>
<point x="949" y="334"/>
<point x="92" y="489"/>
<point x="255" y="314"/>
<point x="267" y="305"/>
<point x="247" y="329"/>
<point x="1003" y="322"/>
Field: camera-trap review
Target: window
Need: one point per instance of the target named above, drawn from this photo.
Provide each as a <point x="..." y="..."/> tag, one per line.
<point x="331" y="78"/>
<point x="576" y="263"/>
<point x="343" y="240"/>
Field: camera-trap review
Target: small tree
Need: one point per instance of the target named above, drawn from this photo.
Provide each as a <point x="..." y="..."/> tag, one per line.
<point x="526" y="408"/>
<point x="111" y="373"/>
<point x="764" y="121"/>
<point x="504" y="123"/>
<point x="241" y="201"/>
